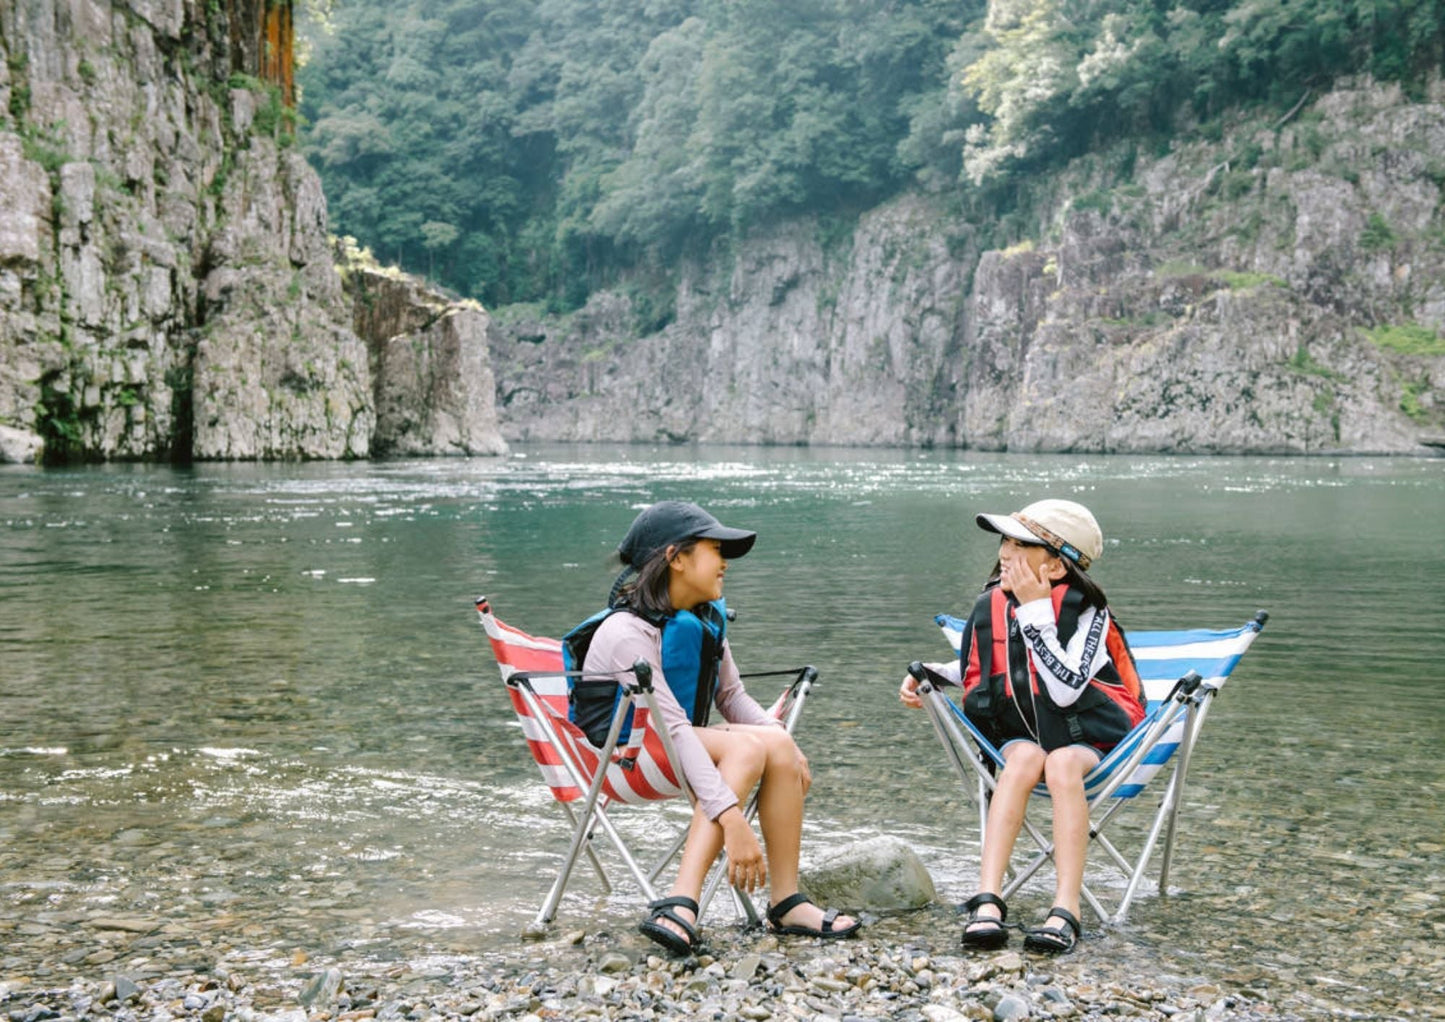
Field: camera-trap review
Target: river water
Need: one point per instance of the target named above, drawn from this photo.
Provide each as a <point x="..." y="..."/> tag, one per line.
<point x="249" y="706"/>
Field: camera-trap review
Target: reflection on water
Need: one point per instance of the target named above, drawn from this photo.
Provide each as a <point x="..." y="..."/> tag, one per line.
<point x="253" y="700"/>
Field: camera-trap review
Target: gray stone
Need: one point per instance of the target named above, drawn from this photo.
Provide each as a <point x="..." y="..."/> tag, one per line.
<point x="24" y="202"/>
<point x="746" y="967"/>
<point x="19" y="446"/>
<point x="1011" y="1006"/>
<point x="880" y="874"/>
<point x="125" y="989"/>
<point x="614" y="961"/>
<point x="198" y="255"/>
<point x="322" y="989"/>
<point x="1090" y="337"/>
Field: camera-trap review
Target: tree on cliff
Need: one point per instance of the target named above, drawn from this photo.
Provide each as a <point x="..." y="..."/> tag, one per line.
<point x="571" y="141"/>
<point x="567" y="140"/>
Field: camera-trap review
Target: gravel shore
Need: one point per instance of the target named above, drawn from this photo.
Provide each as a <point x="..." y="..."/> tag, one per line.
<point x="616" y="975"/>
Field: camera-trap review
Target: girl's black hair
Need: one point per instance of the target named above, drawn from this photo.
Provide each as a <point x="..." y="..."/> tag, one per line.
<point x="1076" y="577"/>
<point x="644" y="592"/>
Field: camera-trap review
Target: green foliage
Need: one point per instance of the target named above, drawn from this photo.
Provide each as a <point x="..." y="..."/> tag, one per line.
<point x="58" y="418"/>
<point x="569" y="144"/>
<point x="273" y="118"/>
<point x="1377" y="234"/>
<point x="43" y="148"/>
<point x="1410" y="402"/>
<point x="17" y="64"/>
<point x="1100" y="202"/>
<point x="1237" y="280"/>
<point x="1303" y="362"/>
<point x="1408" y="339"/>
<point x="1057" y="77"/>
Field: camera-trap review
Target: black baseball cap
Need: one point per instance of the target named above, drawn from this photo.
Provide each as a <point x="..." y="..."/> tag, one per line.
<point x="674" y="521"/>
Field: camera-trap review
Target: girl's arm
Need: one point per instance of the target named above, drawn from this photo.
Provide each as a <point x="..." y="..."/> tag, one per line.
<point x="1064" y="670"/>
<point x="732" y="699"/>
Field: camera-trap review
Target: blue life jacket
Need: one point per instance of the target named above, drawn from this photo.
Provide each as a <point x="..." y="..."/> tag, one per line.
<point x="692" y="649"/>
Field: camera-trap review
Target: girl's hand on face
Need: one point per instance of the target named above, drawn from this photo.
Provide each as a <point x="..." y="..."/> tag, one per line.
<point x="1028" y="583"/>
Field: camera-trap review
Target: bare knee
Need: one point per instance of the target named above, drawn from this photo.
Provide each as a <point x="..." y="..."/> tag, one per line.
<point x="1064" y="770"/>
<point x="1024" y="765"/>
<point x="781" y="750"/>
<point x="745" y="755"/>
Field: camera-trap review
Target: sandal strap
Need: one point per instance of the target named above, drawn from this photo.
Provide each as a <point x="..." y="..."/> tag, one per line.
<point x="675" y="901"/>
<point x="782" y="908"/>
<point x="828" y="918"/>
<point x="971" y="906"/>
<point x="1067" y="917"/>
<point x="663" y="909"/>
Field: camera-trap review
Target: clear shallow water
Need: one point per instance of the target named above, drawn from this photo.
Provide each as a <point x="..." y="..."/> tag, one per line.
<point x="252" y="702"/>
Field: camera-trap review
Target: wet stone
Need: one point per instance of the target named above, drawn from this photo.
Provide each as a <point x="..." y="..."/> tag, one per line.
<point x="614" y="962"/>
<point x="746" y="967"/>
<point x="1011" y="1006"/>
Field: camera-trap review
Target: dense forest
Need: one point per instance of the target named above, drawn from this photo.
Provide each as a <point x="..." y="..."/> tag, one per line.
<point x="535" y="150"/>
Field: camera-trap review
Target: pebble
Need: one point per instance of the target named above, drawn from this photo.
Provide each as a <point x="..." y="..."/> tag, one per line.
<point x="610" y="977"/>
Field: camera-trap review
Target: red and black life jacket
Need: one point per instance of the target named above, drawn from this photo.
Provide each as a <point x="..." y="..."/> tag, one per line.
<point x="1002" y="694"/>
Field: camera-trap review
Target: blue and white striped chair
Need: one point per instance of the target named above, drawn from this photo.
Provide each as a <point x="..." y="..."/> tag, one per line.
<point x="1181" y="672"/>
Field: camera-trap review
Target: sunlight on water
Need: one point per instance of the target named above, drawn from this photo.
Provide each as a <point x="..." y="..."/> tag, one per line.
<point x="260" y="689"/>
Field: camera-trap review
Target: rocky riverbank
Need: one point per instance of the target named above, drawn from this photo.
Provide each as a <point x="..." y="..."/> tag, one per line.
<point x="890" y="973"/>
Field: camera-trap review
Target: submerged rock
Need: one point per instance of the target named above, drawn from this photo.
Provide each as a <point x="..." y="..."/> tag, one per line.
<point x="881" y="874"/>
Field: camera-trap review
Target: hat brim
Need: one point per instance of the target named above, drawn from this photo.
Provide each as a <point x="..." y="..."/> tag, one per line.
<point x="1005" y="525"/>
<point x="734" y="543"/>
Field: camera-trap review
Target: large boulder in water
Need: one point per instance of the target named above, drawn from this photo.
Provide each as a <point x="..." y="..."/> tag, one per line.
<point x="881" y="874"/>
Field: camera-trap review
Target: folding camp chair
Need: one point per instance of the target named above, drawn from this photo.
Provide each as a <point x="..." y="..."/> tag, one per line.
<point x="1181" y="672"/>
<point x="635" y="768"/>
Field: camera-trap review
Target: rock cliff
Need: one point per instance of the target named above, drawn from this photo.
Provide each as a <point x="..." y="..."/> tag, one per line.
<point x="167" y="289"/>
<point x="1277" y="289"/>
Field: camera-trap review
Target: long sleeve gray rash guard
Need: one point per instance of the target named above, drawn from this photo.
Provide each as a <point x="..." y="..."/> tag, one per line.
<point x="623" y="639"/>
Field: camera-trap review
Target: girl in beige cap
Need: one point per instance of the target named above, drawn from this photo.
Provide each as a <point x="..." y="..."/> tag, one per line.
<point x="1048" y="678"/>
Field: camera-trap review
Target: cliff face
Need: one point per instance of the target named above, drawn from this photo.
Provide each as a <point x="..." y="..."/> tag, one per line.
<point x="1279" y="290"/>
<point x="429" y="356"/>
<point x="793" y="343"/>
<point x="167" y="289"/>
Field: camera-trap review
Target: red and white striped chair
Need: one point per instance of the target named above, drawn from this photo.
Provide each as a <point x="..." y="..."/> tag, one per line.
<point x="636" y="768"/>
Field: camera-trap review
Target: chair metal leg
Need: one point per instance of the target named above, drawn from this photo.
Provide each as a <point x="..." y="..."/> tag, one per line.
<point x="1186" y="752"/>
<point x="670" y="854"/>
<point x="591" y="855"/>
<point x="592" y="814"/>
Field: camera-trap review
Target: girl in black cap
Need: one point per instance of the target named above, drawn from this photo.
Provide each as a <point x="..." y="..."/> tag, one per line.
<point x="676" y="555"/>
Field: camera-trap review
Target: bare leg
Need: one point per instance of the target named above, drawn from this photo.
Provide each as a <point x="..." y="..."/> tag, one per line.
<point x="784" y="787"/>
<point x="741" y="760"/>
<point x="1064" y="773"/>
<point x="1023" y="768"/>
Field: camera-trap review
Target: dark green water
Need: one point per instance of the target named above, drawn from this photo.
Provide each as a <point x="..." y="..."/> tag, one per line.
<point x="252" y="702"/>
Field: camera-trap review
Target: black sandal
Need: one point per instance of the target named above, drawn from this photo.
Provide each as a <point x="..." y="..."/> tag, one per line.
<point x="662" y="908"/>
<point x="1054" y="940"/>
<point x="992" y="934"/>
<point x="792" y="901"/>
